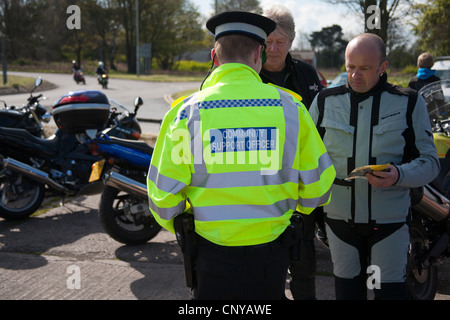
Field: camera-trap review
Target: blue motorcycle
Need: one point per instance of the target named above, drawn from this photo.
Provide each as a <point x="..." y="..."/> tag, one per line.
<point x="123" y="211"/>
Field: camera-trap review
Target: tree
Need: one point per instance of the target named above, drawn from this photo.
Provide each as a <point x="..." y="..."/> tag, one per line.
<point x="387" y="10"/>
<point x="17" y="21"/>
<point x="38" y="29"/>
<point x="172" y="27"/>
<point x="433" y="26"/>
<point x="403" y="56"/>
<point x="243" y="5"/>
<point x="127" y="15"/>
<point x="102" y="21"/>
<point x="329" y="46"/>
<point x="55" y="40"/>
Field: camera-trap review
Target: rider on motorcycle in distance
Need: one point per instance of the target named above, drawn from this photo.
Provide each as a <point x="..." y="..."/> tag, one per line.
<point x="101" y="69"/>
<point x="75" y="68"/>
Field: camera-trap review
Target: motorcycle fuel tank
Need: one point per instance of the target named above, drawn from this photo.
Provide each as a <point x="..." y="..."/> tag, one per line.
<point x="10" y="118"/>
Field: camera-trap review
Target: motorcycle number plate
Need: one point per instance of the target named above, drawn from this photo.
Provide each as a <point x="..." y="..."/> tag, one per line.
<point x="96" y="172"/>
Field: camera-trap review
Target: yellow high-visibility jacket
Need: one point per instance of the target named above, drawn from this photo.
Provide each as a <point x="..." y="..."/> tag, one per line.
<point x="241" y="155"/>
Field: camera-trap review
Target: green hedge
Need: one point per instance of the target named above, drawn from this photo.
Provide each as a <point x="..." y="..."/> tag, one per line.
<point x="192" y="66"/>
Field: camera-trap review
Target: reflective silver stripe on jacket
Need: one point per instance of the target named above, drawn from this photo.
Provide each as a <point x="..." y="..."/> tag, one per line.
<point x="241" y="179"/>
<point x="164" y="183"/>
<point x="167" y="213"/>
<point x="313" y="175"/>
<point x="245" y="211"/>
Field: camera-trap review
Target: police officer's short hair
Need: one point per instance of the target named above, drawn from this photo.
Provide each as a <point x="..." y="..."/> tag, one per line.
<point x="235" y="47"/>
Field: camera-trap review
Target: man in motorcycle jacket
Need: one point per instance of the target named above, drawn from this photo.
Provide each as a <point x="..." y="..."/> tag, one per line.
<point x="366" y="122"/>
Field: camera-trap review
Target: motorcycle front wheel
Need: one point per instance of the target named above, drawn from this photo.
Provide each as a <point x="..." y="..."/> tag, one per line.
<point x="125" y="218"/>
<point x="20" y="197"/>
<point x="422" y="280"/>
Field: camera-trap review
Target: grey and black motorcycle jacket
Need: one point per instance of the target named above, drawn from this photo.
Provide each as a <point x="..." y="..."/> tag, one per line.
<point x="388" y="124"/>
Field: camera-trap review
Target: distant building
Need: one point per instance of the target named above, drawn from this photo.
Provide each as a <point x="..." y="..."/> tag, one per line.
<point x="203" y="55"/>
<point x="307" y="56"/>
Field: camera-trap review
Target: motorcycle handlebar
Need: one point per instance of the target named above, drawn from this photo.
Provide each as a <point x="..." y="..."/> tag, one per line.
<point x="32" y="99"/>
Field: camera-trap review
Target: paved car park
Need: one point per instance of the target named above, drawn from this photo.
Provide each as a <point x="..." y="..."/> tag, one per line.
<point x="62" y="253"/>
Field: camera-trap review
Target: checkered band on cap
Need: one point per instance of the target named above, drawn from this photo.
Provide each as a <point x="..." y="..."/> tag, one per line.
<point x="240" y="27"/>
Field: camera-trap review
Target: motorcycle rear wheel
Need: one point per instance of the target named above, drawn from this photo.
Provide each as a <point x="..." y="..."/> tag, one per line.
<point x="120" y="223"/>
<point x="20" y="197"/>
<point x="422" y="282"/>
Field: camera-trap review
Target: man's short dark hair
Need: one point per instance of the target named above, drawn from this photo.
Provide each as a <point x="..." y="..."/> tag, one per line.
<point x="235" y="47"/>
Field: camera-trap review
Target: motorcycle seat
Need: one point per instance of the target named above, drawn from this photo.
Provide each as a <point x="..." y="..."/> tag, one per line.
<point x="25" y="136"/>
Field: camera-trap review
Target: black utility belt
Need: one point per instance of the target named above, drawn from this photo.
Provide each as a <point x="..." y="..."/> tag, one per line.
<point x="241" y="250"/>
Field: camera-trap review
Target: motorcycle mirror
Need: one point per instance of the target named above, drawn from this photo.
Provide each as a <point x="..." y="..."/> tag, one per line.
<point x="137" y="103"/>
<point x="37" y="83"/>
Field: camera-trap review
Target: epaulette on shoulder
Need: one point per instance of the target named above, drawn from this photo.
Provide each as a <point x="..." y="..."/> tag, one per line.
<point x="295" y="94"/>
<point x="394" y="89"/>
<point x="177" y="101"/>
<point x="335" y="91"/>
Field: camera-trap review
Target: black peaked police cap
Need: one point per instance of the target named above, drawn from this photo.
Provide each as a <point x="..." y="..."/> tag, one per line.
<point x="241" y="22"/>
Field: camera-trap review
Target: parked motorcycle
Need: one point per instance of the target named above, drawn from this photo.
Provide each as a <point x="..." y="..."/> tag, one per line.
<point x="29" y="116"/>
<point x="430" y="225"/>
<point x="78" y="76"/>
<point x="66" y="163"/>
<point x="103" y="80"/>
<point x="129" y="127"/>
<point x="124" y="211"/>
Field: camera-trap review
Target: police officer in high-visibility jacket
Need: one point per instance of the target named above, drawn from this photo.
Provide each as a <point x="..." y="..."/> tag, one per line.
<point x="240" y="156"/>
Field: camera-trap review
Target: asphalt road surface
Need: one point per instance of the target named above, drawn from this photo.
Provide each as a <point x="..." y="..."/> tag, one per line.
<point x="154" y="94"/>
<point x="64" y="254"/>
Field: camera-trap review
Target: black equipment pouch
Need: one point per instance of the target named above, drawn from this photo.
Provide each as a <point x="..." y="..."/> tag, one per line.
<point x="185" y="233"/>
<point x="294" y="235"/>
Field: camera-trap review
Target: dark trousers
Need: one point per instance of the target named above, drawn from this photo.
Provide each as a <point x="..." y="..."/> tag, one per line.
<point x="302" y="285"/>
<point x="238" y="273"/>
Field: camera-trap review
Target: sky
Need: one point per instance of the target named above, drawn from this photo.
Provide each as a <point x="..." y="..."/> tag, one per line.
<point x="309" y="15"/>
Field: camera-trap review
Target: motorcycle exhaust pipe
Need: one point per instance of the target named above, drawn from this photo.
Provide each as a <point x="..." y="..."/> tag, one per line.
<point x="32" y="173"/>
<point x="433" y="204"/>
<point x="123" y="183"/>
